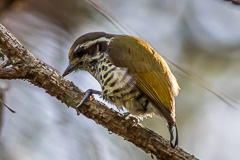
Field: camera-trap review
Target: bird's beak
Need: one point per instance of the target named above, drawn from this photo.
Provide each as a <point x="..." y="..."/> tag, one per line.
<point x="68" y="70"/>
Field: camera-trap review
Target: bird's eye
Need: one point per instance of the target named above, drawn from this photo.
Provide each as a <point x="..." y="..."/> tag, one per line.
<point x="79" y="52"/>
<point x="80" y="63"/>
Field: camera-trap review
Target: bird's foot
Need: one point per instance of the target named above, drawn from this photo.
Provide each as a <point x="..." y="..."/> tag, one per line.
<point x="130" y="116"/>
<point x="87" y="94"/>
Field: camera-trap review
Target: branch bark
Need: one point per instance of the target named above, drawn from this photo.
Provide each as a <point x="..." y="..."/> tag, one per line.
<point x="1" y="109"/>
<point x="9" y="73"/>
<point x="26" y="67"/>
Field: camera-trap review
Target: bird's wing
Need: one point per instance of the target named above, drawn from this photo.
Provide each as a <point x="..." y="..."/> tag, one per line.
<point x="151" y="72"/>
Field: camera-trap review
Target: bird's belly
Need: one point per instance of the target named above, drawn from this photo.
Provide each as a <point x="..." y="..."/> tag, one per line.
<point x="120" y="89"/>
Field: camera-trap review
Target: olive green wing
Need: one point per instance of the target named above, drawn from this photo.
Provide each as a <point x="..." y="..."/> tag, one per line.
<point x="150" y="71"/>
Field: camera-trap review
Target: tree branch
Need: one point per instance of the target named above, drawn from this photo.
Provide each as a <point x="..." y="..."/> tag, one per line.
<point x="26" y="66"/>
<point x="1" y="109"/>
<point x="10" y="73"/>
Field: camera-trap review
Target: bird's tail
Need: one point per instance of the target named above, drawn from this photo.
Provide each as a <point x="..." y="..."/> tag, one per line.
<point x="173" y="135"/>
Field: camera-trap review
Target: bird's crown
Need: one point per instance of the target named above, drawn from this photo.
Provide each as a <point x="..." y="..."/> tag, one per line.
<point x="88" y="43"/>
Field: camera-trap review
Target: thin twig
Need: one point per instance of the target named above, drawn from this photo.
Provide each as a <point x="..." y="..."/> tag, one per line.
<point x="11" y="110"/>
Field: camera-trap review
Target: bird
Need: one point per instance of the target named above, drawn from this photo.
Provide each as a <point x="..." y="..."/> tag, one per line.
<point x="131" y="74"/>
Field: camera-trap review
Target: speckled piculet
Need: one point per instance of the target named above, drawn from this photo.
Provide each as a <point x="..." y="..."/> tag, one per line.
<point x="131" y="73"/>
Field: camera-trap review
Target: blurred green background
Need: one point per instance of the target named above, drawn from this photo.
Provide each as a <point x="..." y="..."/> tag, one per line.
<point x="202" y="37"/>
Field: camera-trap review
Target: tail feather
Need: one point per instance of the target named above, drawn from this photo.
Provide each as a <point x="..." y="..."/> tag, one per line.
<point x="173" y="135"/>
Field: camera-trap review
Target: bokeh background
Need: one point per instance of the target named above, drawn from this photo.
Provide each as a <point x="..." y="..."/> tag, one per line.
<point x="201" y="37"/>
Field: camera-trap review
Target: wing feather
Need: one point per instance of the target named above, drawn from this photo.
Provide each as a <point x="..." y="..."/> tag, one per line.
<point x="152" y="74"/>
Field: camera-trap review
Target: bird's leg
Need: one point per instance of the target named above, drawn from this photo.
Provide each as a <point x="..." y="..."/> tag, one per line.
<point x="87" y="94"/>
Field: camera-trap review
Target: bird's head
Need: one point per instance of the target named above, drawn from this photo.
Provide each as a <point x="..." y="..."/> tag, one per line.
<point x="86" y="51"/>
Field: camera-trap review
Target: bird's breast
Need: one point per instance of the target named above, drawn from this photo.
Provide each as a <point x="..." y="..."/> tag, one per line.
<point x="118" y="85"/>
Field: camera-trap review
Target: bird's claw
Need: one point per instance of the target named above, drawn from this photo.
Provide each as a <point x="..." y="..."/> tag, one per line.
<point x="87" y="94"/>
<point x="130" y="116"/>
